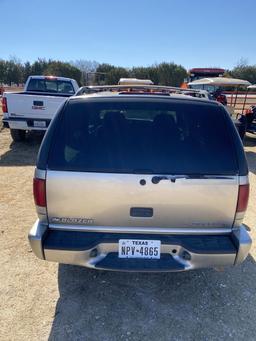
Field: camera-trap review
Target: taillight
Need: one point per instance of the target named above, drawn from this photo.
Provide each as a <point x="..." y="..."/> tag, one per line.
<point x="50" y="78"/>
<point x="4" y="104"/>
<point x="39" y="190"/>
<point x="243" y="197"/>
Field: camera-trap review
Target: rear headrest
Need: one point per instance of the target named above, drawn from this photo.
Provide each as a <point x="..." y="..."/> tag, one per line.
<point x="164" y="125"/>
<point x="164" y="120"/>
<point x="78" y="131"/>
<point x="67" y="88"/>
<point x="114" y="119"/>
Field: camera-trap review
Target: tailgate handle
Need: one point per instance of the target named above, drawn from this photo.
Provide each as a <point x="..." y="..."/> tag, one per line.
<point x="38" y="103"/>
<point x="141" y="212"/>
<point x="156" y="179"/>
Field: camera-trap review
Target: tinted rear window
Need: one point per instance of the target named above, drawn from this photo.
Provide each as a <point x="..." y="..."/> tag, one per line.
<point x="50" y="85"/>
<point x="131" y="136"/>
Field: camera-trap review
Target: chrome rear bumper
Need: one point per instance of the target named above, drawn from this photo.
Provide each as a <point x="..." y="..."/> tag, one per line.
<point x="178" y="253"/>
<point x="24" y="123"/>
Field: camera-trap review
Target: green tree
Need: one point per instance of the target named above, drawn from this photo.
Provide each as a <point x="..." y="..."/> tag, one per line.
<point x="110" y="74"/>
<point x="105" y="68"/>
<point x="13" y="72"/>
<point x="171" y="74"/>
<point x="39" y="66"/>
<point x="115" y="74"/>
<point x="2" y="71"/>
<point x="102" y="72"/>
<point x="26" y="71"/>
<point x="162" y="74"/>
<point x="58" y="68"/>
<point x="244" y="71"/>
<point x="149" y="72"/>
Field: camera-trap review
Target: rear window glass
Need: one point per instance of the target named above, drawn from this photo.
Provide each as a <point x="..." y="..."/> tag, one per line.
<point x="50" y="85"/>
<point x="143" y="137"/>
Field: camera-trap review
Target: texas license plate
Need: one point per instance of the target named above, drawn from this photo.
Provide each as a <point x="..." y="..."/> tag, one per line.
<point x="40" y="124"/>
<point x="138" y="248"/>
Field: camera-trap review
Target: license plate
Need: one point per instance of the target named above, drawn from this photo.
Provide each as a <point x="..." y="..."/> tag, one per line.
<point x="40" y="124"/>
<point x="137" y="248"/>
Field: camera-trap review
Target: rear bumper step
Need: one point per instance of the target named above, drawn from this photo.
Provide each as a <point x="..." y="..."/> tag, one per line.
<point x="178" y="252"/>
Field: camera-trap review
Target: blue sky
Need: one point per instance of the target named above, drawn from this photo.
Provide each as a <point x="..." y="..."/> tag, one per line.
<point x="196" y="33"/>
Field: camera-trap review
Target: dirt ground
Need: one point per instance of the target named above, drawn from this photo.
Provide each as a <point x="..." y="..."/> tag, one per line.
<point x="41" y="301"/>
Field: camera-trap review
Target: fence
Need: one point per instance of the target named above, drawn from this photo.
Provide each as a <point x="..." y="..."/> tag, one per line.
<point x="238" y="102"/>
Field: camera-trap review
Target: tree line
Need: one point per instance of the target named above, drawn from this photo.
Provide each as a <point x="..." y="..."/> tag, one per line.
<point x="162" y="74"/>
<point x="13" y="71"/>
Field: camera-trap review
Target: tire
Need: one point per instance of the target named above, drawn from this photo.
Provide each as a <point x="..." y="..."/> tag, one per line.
<point x="18" y="135"/>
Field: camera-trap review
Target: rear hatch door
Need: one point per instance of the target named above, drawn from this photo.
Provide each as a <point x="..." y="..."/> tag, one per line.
<point x="142" y="163"/>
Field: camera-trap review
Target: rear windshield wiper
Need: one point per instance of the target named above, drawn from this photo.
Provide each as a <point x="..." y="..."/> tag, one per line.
<point x="156" y="179"/>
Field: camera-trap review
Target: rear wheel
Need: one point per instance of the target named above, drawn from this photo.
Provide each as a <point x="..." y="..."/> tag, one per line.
<point x="18" y="135"/>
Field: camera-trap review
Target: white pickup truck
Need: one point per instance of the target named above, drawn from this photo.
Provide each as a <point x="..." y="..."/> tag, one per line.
<point x="34" y="108"/>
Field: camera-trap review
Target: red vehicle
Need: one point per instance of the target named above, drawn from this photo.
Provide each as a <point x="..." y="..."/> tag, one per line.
<point x="198" y="73"/>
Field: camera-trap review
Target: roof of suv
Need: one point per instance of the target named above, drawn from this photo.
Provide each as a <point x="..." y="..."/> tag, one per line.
<point x="109" y="94"/>
<point x="143" y="91"/>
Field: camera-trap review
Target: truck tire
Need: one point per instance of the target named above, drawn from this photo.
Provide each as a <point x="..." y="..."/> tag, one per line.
<point x="18" y="135"/>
